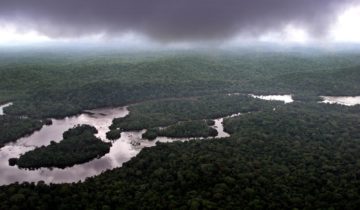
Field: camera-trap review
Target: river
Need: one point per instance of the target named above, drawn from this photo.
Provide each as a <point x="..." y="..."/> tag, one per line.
<point x="4" y="106"/>
<point x="122" y="150"/>
<point x="342" y="100"/>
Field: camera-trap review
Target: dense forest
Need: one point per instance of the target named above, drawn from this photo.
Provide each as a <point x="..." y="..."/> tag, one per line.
<point x="60" y="83"/>
<point x="78" y="146"/>
<point x="188" y="129"/>
<point x="167" y="112"/>
<point x="303" y="155"/>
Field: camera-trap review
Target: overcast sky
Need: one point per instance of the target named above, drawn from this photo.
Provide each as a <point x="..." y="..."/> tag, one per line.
<point x="172" y="22"/>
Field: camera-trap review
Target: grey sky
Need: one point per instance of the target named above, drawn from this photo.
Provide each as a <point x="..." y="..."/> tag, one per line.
<point x="170" y="20"/>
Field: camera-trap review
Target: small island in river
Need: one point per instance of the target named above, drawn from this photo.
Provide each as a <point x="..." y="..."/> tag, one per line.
<point x="79" y="145"/>
<point x="188" y="129"/>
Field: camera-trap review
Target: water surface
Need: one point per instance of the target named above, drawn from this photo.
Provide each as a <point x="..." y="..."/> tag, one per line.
<point x="285" y="98"/>
<point x="100" y="118"/>
<point x="3" y="106"/>
<point x="122" y="150"/>
<point x="343" y="100"/>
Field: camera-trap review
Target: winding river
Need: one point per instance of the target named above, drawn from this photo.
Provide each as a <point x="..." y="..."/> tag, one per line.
<point x="122" y="150"/>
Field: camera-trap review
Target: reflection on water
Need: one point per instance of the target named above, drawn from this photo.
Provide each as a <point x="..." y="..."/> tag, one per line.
<point x="285" y="98"/>
<point x="99" y="118"/>
<point x="3" y="106"/>
<point x="343" y="100"/>
<point x="122" y="150"/>
<point x="220" y="128"/>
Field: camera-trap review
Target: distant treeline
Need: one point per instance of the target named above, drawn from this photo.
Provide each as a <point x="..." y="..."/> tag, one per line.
<point x="65" y="83"/>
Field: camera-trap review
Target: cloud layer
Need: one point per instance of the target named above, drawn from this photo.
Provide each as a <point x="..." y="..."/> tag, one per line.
<point x="171" y="20"/>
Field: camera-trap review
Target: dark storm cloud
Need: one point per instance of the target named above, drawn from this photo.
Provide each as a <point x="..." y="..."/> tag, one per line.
<point x="170" y="20"/>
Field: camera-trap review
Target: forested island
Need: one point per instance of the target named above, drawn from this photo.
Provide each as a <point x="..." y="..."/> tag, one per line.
<point x="166" y="112"/>
<point x="188" y="129"/>
<point x="113" y="134"/>
<point x="79" y="145"/>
